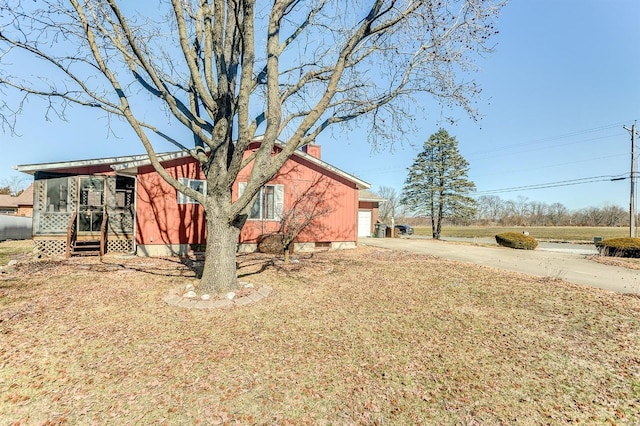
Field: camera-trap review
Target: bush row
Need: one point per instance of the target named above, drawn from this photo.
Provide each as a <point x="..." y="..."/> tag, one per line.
<point x="619" y="247"/>
<point x="516" y="241"/>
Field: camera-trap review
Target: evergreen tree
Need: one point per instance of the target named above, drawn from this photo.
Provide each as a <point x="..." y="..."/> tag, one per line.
<point x="437" y="183"/>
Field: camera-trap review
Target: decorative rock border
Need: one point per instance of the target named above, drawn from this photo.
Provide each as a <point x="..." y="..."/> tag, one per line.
<point x="185" y="297"/>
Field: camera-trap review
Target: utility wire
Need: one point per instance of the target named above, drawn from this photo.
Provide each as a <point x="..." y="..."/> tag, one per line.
<point x="506" y="147"/>
<point x="386" y="170"/>
<point x="551" y="138"/>
<point x="580" y="181"/>
<point x="533" y="149"/>
<point x="552" y="165"/>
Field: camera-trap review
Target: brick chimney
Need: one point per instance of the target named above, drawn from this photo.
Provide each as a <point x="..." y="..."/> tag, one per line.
<point x="312" y="149"/>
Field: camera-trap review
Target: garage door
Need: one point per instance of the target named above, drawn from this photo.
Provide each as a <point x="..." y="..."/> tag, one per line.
<point x="364" y="223"/>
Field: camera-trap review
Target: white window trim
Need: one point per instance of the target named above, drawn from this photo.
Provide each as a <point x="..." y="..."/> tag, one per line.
<point x="182" y="198"/>
<point x="278" y="201"/>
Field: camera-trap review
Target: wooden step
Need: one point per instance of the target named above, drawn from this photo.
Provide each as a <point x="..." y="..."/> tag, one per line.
<point x="86" y="248"/>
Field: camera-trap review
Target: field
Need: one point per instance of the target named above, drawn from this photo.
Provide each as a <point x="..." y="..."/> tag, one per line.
<point x="364" y="336"/>
<point x="546" y="233"/>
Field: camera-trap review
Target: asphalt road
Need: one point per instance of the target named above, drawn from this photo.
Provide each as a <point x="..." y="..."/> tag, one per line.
<point x="567" y="262"/>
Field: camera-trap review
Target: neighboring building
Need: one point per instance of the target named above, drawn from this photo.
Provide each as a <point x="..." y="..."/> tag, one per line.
<point x="21" y="205"/>
<point x="123" y="205"/>
<point x="368" y="212"/>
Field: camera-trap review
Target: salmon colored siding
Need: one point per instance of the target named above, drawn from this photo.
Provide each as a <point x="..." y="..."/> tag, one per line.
<point x="159" y="217"/>
<point x="296" y="175"/>
<point x="161" y="220"/>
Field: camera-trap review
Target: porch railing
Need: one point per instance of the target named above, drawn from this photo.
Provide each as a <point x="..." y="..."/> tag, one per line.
<point x="72" y="233"/>
<point x="103" y="233"/>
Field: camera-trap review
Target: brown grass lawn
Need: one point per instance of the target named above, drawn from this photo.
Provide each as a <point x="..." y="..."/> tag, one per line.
<point x="366" y="336"/>
<point x="14" y="249"/>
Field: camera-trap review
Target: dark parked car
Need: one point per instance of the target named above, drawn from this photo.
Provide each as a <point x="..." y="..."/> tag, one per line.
<point x="404" y="229"/>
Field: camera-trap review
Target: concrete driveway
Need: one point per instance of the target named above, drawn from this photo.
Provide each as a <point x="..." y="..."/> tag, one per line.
<point x="564" y="263"/>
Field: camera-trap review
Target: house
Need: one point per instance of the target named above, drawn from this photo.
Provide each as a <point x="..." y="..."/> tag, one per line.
<point x="121" y="204"/>
<point x="21" y="205"/>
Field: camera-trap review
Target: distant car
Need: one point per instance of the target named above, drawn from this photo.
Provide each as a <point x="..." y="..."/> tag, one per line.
<point x="404" y="229"/>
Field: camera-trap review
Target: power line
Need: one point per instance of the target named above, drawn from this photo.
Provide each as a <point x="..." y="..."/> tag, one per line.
<point x="386" y="170"/>
<point x="551" y="138"/>
<point x="571" y="182"/>
<point x="505" y="147"/>
<point x="532" y="149"/>
<point x="551" y="165"/>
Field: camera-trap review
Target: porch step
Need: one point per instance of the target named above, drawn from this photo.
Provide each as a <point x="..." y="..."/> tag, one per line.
<point x="86" y="248"/>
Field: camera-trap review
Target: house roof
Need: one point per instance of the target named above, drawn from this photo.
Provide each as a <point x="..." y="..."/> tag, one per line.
<point x="130" y="164"/>
<point x="8" y="201"/>
<point x="366" y="195"/>
<point x="24" y="199"/>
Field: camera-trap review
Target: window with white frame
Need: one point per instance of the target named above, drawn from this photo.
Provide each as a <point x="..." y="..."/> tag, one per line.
<point x="268" y="203"/>
<point x="195" y="184"/>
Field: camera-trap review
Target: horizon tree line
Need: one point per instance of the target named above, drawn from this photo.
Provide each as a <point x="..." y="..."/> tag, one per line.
<point x="521" y="211"/>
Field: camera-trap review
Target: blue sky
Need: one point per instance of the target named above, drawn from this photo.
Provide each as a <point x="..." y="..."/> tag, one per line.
<point x="561" y="70"/>
<point x="562" y="82"/>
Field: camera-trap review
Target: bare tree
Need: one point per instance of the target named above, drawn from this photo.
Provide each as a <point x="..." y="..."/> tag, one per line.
<point x="516" y="212"/>
<point x="227" y="70"/>
<point x="613" y="215"/>
<point x="558" y="214"/>
<point x="538" y="213"/>
<point x="310" y="205"/>
<point x="14" y="185"/>
<point x="591" y="216"/>
<point x="390" y="207"/>
<point x="522" y="212"/>
<point x="522" y="208"/>
<point x="489" y="208"/>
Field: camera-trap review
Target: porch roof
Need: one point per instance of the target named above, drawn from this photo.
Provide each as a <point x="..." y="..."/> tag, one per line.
<point x="32" y="169"/>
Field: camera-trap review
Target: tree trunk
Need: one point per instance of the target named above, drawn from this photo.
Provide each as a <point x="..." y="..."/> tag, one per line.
<point x="434" y="234"/>
<point x="219" y="274"/>
<point x="439" y="218"/>
<point x="288" y="250"/>
<point x="435" y="225"/>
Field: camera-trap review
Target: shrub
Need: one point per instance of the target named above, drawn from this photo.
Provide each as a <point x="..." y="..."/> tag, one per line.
<point x="619" y="247"/>
<point x="516" y="241"/>
<point x="270" y="243"/>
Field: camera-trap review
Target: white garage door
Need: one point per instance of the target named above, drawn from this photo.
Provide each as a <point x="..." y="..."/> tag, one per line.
<point x="364" y="223"/>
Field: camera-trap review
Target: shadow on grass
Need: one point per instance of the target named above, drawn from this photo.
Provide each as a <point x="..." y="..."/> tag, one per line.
<point x="247" y="264"/>
<point x="165" y="267"/>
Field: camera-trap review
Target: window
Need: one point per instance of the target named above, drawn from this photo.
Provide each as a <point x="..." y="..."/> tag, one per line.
<point x="57" y="195"/>
<point x="196" y="184"/>
<point x="264" y="204"/>
<point x="268" y="204"/>
<point x="125" y="189"/>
